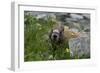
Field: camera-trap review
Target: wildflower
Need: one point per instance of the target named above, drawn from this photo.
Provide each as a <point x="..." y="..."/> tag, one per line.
<point x="67" y="50"/>
<point x="39" y="26"/>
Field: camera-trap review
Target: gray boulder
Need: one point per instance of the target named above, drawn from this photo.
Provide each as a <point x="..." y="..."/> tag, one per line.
<point x="80" y="46"/>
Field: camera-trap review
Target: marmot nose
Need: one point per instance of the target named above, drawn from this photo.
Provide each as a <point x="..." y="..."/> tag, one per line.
<point x="55" y="36"/>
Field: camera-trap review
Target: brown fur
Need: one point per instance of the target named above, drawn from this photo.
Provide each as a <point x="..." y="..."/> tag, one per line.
<point x="70" y="34"/>
<point x="64" y="32"/>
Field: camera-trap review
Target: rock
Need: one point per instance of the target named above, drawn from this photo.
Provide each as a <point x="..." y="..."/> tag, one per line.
<point x="39" y="16"/>
<point x="74" y="29"/>
<point x="76" y="16"/>
<point x="86" y="16"/>
<point x="80" y="46"/>
<point x="71" y="20"/>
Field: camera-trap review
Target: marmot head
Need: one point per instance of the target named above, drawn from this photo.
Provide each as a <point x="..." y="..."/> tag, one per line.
<point x="59" y="33"/>
<point x="56" y="34"/>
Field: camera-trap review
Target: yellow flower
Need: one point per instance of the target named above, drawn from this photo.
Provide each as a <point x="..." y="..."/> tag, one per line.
<point x="67" y="50"/>
<point x="72" y="34"/>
